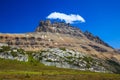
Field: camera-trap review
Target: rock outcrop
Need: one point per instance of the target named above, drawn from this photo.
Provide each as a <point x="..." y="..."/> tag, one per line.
<point x="65" y="58"/>
<point x="58" y="27"/>
<point x="58" y="34"/>
<point x="7" y="52"/>
<point x="40" y="37"/>
<point x="61" y="57"/>
<point x="63" y="28"/>
<point x="67" y="47"/>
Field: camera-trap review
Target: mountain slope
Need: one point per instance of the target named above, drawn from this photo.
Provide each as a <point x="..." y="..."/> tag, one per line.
<point x="62" y="58"/>
<point x="61" y="35"/>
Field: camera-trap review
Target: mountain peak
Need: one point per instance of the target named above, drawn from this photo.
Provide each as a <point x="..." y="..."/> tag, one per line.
<point x="66" y="28"/>
<point x="64" y="37"/>
<point x="58" y="27"/>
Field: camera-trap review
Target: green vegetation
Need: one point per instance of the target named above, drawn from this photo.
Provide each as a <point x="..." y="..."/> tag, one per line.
<point x="70" y="62"/>
<point x="70" y="53"/>
<point x="69" y="57"/>
<point x="32" y="61"/>
<point x="100" y="64"/>
<point x="15" y="70"/>
<point x="5" y="48"/>
<point x="14" y="54"/>
<point x="87" y="65"/>
<point x="63" y="48"/>
<point x="13" y="51"/>
<point x="21" y="51"/>
<point x="88" y="59"/>
<point x="49" y="60"/>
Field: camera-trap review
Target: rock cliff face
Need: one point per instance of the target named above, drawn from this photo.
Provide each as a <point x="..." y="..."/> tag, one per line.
<point x="58" y="27"/>
<point x="65" y="58"/>
<point x="61" y="57"/>
<point x="63" y="28"/>
<point x="60" y="35"/>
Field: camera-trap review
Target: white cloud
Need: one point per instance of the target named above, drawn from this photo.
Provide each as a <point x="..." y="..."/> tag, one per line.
<point x="67" y="18"/>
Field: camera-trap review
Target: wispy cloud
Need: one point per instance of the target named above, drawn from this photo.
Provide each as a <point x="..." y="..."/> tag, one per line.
<point x="71" y="18"/>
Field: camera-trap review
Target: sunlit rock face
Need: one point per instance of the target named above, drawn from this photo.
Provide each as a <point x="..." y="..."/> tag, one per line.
<point x="62" y="58"/>
<point x="65" y="58"/>
<point x="56" y="34"/>
<point x="60" y="35"/>
<point x="7" y="52"/>
<point x="58" y="27"/>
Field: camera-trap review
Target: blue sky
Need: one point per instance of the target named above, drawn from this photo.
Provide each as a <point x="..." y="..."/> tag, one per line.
<point x="102" y="17"/>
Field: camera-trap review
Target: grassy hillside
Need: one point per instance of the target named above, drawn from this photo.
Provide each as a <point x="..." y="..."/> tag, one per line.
<point x="33" y="70"/>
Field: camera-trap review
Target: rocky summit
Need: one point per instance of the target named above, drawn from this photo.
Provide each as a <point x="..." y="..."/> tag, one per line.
<point x="58" y="27"/>
<point x="61" y="35"/>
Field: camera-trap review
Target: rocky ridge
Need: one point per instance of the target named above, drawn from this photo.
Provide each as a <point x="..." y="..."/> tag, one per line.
<point x="65" y="58"/>
<point x="57" y="35"/>
<point x="58" y="27"/>
<point x="63" y="28"/>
